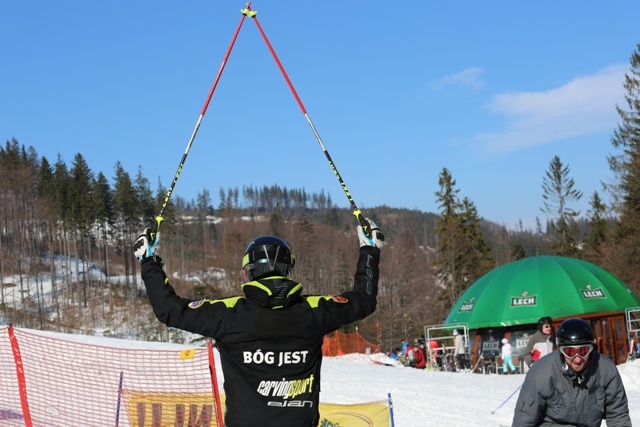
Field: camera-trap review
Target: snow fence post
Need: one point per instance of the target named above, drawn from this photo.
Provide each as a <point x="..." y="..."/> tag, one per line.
<point x="22" y="384"/>
<point x="119" y="399"/>
<point x="214" y="384"/>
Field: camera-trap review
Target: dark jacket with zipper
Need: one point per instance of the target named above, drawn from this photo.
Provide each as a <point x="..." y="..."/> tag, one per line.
<point x="270" y="355"/>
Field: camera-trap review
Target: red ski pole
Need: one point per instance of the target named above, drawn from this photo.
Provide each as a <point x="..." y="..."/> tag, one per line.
<point x="159" y="218"/>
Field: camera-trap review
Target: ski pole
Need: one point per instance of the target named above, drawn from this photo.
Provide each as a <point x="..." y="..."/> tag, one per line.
<point x="363" y="222"/>
<point x="480" y="359"/>
<point x="507" y="399"/>
<point x="159" y="218"/>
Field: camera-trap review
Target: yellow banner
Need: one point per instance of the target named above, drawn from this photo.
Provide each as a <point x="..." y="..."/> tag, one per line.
<point x="187" y="409"/>
<point x="372" y="414"/>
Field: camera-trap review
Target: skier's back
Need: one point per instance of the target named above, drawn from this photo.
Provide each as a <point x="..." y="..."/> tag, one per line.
<point x="270" y="338"/>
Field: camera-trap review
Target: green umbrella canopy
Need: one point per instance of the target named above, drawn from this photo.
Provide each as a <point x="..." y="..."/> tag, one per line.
<point x="522" y="291"/>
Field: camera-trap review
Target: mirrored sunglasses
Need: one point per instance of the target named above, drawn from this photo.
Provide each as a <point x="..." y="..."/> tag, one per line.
<point x="571" y="351"/>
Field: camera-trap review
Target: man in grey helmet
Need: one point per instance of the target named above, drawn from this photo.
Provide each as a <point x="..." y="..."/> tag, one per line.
<point x="572" y="386"/>
<point x="270" y="338"/>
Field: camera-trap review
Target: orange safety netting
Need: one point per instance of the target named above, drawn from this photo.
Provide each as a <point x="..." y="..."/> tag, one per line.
<point x="339" y="343"/>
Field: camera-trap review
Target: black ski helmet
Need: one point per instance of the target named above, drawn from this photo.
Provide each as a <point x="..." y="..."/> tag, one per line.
<point x="267" y="256"/>
<point x="574" y="332"/>
<point x="546" y="320"/>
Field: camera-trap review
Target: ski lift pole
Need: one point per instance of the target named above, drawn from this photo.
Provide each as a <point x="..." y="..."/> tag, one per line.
<point x="159" y="218"/>
<point x="358" y="214"/>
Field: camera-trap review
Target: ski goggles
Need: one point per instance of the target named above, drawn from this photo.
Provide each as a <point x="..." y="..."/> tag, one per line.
<point x="571" y="351"/>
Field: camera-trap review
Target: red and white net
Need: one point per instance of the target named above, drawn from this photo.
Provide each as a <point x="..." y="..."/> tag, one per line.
<point x="52" y="382"/>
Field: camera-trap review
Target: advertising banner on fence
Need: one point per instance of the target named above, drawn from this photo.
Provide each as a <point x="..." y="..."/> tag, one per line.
<point x="371" y="414"/>
<point x="182" y="409"/>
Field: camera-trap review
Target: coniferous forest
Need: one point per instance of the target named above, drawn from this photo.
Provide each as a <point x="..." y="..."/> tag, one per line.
<point x="88" y="221"/>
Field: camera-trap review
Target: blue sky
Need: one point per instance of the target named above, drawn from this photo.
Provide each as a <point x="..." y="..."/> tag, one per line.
<point x="397" y="91"/>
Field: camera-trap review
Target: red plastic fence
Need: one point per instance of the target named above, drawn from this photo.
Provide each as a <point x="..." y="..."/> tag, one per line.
<point x="338" y="344"/>
<point x="51" y="382"/>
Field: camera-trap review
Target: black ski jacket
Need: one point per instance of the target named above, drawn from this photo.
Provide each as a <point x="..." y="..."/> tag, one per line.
<point x="270" y="356"/>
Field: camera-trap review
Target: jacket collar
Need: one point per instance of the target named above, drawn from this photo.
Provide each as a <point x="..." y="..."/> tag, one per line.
<point x="274" y="292"/>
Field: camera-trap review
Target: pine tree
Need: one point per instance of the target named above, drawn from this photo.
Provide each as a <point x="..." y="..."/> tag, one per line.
<point x="103" y="205"/>
<point x="626" y="167"/>
<point x="463" y="253"/>
<point x="45" y="180"/>
<point x="518" y="251"/>
<point x="61" y="199"/>
<point x="558" y="192"/>
<point x="80" y="191"/>
<point x="128" y="215"/>
<point x="598" y="229"/>
<point x="480" y="256"/>
<point x="146" y="206"/>
<point x="82" y="216"/>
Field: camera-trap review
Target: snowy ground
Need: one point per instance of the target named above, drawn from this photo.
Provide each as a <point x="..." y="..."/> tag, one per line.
<point x="420" y="398"/>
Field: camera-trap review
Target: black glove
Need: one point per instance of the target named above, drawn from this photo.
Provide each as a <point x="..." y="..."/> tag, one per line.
<point x="376" y="239"/>
<point x="145" y="246"/>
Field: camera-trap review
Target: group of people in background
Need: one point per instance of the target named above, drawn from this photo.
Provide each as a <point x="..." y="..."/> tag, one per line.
<point x="434" y="355"/>
<point x="411" y="355"/>
<point x="538" y="345"/>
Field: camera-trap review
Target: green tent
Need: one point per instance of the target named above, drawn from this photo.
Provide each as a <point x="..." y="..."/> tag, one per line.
<point x="522" y="291"/>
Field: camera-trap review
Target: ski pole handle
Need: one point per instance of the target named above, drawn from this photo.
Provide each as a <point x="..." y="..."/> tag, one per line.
<point x="366" y="227"/>
<point x="154" y="233"/>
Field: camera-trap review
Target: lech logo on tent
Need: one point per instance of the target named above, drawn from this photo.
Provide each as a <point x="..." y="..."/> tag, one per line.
<point x="590" y="293"/>
<point x="467" y="306"/>
<point x="525" y="300"/>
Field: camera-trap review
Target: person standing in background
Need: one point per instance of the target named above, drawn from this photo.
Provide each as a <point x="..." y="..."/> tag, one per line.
<point x="540" y="343"/>
<point x="434" y="346"/>
<point x="459" y="353"/>
<point x="403" y="356"/>
<point x="507" y="362"/>
<point x="420" y="357"/>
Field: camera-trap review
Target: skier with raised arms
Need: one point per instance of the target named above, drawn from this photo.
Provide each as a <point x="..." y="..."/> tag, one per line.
<point x="270" y="338"/>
